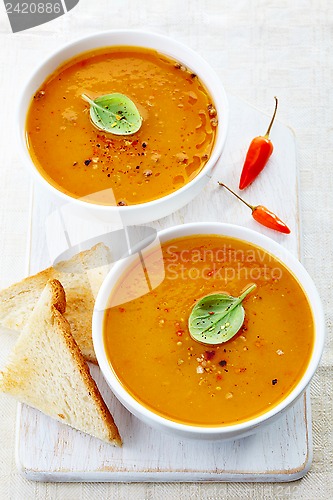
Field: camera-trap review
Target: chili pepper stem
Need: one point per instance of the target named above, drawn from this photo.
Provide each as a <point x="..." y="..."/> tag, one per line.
<point x="235" y="194"/>
<point x="273" y="118"/>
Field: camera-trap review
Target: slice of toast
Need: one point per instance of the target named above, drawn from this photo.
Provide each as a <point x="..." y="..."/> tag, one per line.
<point x="46" y="370"/>
<point x="81" y="277"/>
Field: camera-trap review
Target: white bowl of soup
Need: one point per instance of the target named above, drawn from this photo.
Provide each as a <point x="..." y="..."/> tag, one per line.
<point x="136" y="177"/>
<point x="205" y="390"/>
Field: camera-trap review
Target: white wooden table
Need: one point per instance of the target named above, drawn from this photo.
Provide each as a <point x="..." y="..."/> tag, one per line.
<point x="259" y="49"/>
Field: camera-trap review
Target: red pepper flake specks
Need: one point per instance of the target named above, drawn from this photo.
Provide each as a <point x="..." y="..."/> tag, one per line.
<point x="39" y="94"/>
<point x="211" y="313"/>
<point x="180" y="333"/>
<point x="121" y="309"/>
<point x="209" y="355"/>
<point x="211" y="110"/>
<point x="274" y="381"/>
<point x="222" y="362"/>
<point x="218" y="376"/>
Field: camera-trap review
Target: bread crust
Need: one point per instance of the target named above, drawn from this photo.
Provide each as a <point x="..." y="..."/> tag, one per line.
<point x="18" y="300"/>
<point x="80" y="361"/>
<point x="19" y="370"/>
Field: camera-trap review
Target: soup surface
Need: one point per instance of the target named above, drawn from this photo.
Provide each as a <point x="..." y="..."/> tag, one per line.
<point x="150" y="350"/>
<point x="171" y="147"/>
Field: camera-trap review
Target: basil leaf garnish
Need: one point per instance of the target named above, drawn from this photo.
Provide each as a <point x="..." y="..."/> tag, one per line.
<point x="114" y="113"/>
<point x="217" y="317"/>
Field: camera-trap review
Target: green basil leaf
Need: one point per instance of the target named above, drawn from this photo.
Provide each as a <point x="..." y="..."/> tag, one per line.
<point x="114" y="113"/>
<point x="217" y="317"/>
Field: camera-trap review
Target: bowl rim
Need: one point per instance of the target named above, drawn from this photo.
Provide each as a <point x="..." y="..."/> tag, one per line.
<point x="220" y="100"/>
<point x="239" y="232"/>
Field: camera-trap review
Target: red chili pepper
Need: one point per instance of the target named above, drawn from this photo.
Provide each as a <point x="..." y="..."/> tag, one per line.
<point x="262" y="215"/>
<point x="257" y="156"/>
<point x="267" y="218"/>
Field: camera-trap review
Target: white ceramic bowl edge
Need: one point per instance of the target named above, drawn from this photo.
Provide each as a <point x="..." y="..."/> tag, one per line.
<point x="223" y="432"/>
<point x="145" y="212"/>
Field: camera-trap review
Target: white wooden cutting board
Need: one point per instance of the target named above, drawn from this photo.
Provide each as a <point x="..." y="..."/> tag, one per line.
<point x="50" y="451"/>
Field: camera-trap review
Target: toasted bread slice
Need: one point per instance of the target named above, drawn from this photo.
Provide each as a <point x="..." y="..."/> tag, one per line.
<point x="81" y="277"/>
<point x="46" y="370"/>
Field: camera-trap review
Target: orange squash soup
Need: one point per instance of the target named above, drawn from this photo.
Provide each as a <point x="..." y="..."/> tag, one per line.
<point x="150" y="350"/>
<point x="172" y="146"/>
